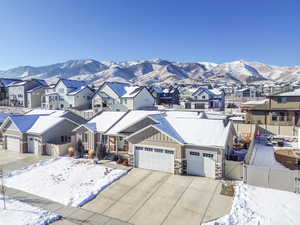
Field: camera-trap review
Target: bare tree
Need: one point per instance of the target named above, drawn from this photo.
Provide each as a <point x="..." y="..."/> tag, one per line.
<point x="2" y="187"/>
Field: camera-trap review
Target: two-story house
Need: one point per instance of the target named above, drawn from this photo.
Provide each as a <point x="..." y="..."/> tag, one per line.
<point x="204" y="98"/>
<point x="117" y="96"/>
<point x="278" y="109"/>
<point x="24" y="93"/>
<point x="168" y="96"/>
<point x="4" y="83"/>
<point x="67" y="94"/>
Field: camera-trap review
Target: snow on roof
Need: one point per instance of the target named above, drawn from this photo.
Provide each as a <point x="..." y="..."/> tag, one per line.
<point x="183" y="114"/>
<point x="34" y="89"/>
<point x="131" y="91"/>
<point x="77" y="90"/>
<point x="194" y="131"/>
<point x="3" y="116"/>
<point x="45" y="112"/>
<point x="17" y="83"/>
<point x="157" y="89"/>
<point x="24" y="122"/>
<point x="124" y="90"/>
<point x="129" y="119"/>
<point x="102" y="94"/>
<point x="6" y="81"/>
<point x="255" y="102"/>
<point x="290" y="93"/>
<point x="73" y="83"/>
<point x="104" y="121"/>
<point x="237" y="118"/>
<point x="43" y="123"/>
<point x="214" y="91"/>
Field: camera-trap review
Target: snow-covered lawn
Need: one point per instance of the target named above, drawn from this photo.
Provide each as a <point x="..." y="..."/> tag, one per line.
<point x="72" y="182"/>
<point x="19" y="213"/>
<point x="261" y="206"/>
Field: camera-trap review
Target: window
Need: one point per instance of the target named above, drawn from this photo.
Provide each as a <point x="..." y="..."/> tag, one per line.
<point x="158" y="150"/>
<point x="61" y="106"/>
<point x="195" y="153"/>
<point x="203" y="97"/>
<point x="169" y="152"/>
<point x="207" y="155"/>
<point x="85" y="138"/>
<point x="139" y="148"/>
<point x="64" y="138"/>
<point x="278" y="116"/>
<point x="149" y="149"/>
<point x="281" y="116"/>
<point x="274" y="116"/>
<point x="281" y="99"/>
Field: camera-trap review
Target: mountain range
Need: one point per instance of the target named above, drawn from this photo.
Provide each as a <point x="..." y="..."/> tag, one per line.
<point x="157" y="72"/>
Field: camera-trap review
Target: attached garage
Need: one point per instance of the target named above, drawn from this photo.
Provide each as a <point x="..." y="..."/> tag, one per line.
<point x="13" y="143"/>
<point x="154" y="158"/>
<point x="201" y="163"/>
<point x="33" y="144"/>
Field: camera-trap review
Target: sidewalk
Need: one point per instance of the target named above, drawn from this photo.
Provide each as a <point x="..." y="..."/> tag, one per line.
<point x="70" y="215"/>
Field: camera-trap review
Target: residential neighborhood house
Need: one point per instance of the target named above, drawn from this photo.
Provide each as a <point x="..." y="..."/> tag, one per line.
<point x="117" y="96"/>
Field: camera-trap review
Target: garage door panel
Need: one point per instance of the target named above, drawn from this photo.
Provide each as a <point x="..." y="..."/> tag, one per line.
<point x="33" y="144"/>
<point x="200" y="163"/>
<point x="154" y="158"/>
<point x="13" y="143"/>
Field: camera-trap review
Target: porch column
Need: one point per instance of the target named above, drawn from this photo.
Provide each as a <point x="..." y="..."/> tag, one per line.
<point x="116" y="147"/>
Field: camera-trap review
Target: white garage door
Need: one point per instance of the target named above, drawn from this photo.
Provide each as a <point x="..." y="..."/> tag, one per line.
<point x="13" y="143"/>
<point x="201" y="163"/>
<point x="33" y="144"/>
<point x="154" y="158"/>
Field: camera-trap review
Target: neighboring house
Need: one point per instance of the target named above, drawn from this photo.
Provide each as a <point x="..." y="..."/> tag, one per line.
<point x="204" y="98"/>
<point x="103" y="102"/>
<point x="17" y="92"/>
<point x="277" y="109"/>
<point x="31" y="133"/>
<point x="4" y="96"/>
<point x="68" y="94"/>
<point x="34" y="95"/>
<point x="248" y="92"/>
<point x="168" y="96"/>
<point x="116" y="96"/>
<point x="181" y="145"/>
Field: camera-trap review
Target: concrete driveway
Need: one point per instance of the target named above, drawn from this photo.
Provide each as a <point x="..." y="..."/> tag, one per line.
<point x="145" y="197"/>
<point x="11" y="160"/>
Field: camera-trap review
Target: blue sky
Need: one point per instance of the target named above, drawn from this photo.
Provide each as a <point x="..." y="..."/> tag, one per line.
<point x="40" y="32"/>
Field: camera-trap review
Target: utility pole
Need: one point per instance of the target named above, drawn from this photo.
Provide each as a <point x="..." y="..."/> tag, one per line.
<point x="2" y="187"/>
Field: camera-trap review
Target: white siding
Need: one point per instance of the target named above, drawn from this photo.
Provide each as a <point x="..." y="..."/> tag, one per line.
<point x="143" y="99"/>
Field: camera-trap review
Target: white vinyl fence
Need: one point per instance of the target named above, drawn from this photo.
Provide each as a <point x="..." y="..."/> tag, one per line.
<point x="286" y="180"/>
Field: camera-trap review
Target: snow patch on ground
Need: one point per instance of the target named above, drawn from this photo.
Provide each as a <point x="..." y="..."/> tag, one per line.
<point x="72" y="182"/>
<point x="19" y="213"/>
<point x="261" y="206"/>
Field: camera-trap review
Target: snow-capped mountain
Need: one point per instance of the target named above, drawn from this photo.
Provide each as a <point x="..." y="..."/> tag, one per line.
<point x="157" y="71"/>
